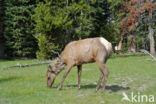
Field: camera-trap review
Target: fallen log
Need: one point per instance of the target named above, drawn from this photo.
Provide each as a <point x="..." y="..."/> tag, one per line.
<point x="26" y="65"/>
<point x="150" y="60"/>
<point x="146" y="52"/>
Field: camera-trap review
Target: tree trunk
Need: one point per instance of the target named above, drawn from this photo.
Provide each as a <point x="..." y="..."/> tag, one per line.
<point x="133" y="45"/>
<point x="67" y="3"/>
<point x="120" y="42"/>
<point x="150" y="35"/>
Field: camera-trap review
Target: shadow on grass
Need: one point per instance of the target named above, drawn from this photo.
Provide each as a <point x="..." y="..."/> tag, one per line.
<point x="113" y="88"/>
<point x="8" y="79"/>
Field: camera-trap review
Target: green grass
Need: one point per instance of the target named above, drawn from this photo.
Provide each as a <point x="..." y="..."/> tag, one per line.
<point x="28" y="85"/>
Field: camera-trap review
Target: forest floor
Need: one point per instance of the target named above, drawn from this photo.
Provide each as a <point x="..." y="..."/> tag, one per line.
<point x="130" y="75"/>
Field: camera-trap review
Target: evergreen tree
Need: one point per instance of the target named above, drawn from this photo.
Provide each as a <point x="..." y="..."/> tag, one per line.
<point x="114" y="20"/>
<point x="100" y="14"/>
<point x="133" y="9"/>
<point x="18" y="31"/>
<point x="1" y="29"/>
<point x="1" y="21"/>
<point x="59" y="22"/>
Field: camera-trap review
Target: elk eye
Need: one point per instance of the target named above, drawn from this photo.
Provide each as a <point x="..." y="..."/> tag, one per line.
<point x="48" y="78"/>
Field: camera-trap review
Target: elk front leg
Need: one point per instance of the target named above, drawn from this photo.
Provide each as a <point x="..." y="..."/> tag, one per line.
<point x="64" y="76"/>
<point x="79" y="75"/>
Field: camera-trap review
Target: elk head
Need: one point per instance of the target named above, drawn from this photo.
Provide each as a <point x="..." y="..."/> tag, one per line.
<point x="53" y="70"/>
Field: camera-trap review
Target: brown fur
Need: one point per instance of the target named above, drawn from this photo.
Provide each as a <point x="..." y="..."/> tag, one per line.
<point x="77" y="53"/>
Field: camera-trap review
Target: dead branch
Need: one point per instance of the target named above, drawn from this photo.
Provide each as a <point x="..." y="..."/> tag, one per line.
<point x="26" y="65"/>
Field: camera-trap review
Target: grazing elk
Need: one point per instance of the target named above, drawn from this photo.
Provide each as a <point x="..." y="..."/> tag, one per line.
<point x="77" y="53"/>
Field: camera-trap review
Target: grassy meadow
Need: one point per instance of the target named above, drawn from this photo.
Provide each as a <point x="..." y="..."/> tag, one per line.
<point x="127" y="74"/>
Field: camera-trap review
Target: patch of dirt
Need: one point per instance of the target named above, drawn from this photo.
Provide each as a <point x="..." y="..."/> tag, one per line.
<point x="146" y="85"/>
<point x="125" y="81"/>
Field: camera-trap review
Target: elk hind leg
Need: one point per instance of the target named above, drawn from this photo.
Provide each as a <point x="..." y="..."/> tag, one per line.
<point x="79" y="75"/>
<point x="105" y="73"/>
<point x="99" y="82"/>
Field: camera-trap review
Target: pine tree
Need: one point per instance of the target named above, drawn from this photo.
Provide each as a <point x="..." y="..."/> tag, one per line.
<point x="1" y="29"/>
<point x="114" y="19"/>
<point x="135" y="8"/>
<point x="18" y="31"/>
<point x="59" y="22"/>
<point x="1" y="21"/>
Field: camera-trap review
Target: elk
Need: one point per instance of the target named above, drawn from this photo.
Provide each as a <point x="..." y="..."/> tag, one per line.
<point x="77" y="53"/>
